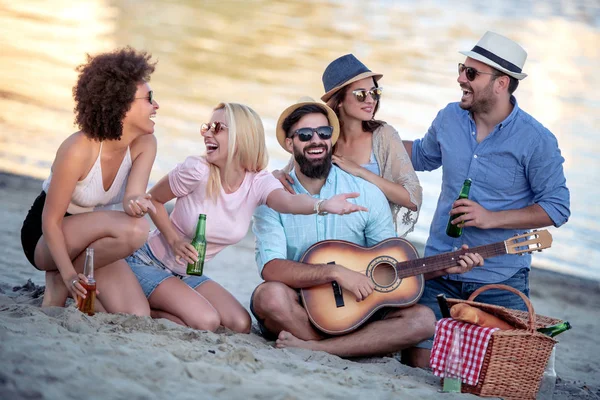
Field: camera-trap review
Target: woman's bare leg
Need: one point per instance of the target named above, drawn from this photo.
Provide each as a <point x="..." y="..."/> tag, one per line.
<point x="174" y="297"/>
<point x="114" y="235"/>
<point x="233" y="315"/>
<point x="156" y="314"/>
<point x="120" y="291"/>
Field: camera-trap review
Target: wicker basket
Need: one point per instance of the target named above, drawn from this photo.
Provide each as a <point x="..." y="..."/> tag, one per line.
<point x="515" y="359"/>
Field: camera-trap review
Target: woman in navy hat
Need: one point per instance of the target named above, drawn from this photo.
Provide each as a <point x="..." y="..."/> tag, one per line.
<point x="369" y="148"/>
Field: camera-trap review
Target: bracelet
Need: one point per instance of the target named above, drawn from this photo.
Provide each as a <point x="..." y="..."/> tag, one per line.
<point x="318" y="207"/>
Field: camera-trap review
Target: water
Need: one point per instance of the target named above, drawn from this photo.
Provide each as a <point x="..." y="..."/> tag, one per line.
<point x="267" y="54"/>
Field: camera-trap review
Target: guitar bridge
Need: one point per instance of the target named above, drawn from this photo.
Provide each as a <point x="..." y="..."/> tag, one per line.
<point x="337" y="292"/>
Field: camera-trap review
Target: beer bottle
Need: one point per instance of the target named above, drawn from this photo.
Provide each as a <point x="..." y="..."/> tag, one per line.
<point x="554" y="330"/>
<point x="453" y="366"/>
<point x="199" y="243"/>
<point x="86" y="305"/>
<point x="455" y="230"/>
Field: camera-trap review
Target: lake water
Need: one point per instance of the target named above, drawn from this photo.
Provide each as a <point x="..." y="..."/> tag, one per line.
<point x="267" y="54"/>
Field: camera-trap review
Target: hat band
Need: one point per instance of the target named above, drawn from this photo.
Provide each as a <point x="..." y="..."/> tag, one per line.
<point x="498" y="60"/>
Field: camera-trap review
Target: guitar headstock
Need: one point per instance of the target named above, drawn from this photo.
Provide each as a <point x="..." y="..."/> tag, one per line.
<point x="528" y="242"/>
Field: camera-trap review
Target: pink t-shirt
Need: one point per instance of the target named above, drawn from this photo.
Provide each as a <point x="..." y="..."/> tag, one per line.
<point x="227" y="219"/>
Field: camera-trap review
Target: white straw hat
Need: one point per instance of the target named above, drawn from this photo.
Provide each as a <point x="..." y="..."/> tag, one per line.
<point x="501" y="53"/>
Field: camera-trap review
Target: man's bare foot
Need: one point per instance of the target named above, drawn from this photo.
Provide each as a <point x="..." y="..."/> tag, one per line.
<point x="55" y="294"/>
<point x="286" y="339"/>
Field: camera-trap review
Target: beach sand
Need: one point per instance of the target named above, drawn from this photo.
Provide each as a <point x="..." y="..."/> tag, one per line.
<point x="59" y="353"/>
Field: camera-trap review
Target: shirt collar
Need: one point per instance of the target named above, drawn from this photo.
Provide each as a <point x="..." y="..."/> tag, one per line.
<point x="507" y="120"/>
<point x="328" y="182"/>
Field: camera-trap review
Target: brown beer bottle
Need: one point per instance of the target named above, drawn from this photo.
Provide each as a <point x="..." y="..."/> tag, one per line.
<point x="86" y="305"/>
<point x="199" y="243"/>
<point x="455" y="230"/>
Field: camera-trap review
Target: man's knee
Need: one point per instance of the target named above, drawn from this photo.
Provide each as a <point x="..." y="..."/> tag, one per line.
<point x="423" y="320"/>
<point x="271" y="298"/>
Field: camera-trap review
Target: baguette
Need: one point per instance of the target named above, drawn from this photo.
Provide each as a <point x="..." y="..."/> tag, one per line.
<point x="465" y="313"/>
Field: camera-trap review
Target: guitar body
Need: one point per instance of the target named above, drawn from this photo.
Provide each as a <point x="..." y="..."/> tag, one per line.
<point x="341" y="314"/>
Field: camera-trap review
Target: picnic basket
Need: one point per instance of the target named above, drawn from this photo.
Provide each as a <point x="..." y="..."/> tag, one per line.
<point x="515" y="359"/>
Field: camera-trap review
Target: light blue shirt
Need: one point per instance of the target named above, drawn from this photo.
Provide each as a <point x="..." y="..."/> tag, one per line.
<point x="288" y="236"/>
<point x="518" y="164"/>
<point x="372" y="165"/>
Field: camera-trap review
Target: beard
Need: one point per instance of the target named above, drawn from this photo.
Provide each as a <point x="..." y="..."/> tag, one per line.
<point x="483" y="103"/>
<point x="316" y="169"/>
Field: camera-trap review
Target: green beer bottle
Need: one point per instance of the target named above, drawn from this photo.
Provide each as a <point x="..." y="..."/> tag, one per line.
<point x="455" y="230"/>
<point x="554" y="330"/>
<point x="199" y="243"/>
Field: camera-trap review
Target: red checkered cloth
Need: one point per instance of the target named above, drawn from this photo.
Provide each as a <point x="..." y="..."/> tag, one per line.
<point x="474" y="344"/>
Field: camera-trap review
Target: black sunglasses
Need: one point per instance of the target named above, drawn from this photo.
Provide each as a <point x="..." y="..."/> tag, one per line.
<point x="150" y="97"/>
<point x="216" y="127"/>
<point x="306" y="134"/>
<point x="361" y="94"/>
<point x="471" y="73"/>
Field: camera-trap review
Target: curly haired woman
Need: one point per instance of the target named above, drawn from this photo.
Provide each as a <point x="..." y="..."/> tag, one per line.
<point x="98" y="172"/>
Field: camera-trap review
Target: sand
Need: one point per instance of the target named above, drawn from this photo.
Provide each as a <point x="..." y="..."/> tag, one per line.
<point x="59" y="353"/>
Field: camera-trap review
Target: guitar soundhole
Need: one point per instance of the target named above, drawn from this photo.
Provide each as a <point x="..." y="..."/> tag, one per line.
<point x="384" y="275"/>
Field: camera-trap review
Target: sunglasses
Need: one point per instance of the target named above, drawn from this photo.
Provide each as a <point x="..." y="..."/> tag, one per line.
<point x="216" y="127"/>
<point x="150" y="97"/>
<point x="471" y="73"/>
<point x="306" y="134"/>
<point x="361" y="94"/>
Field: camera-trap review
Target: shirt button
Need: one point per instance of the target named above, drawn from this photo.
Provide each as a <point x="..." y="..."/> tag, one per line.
<point x="472" y="133"/>
<point x="475" y="156"/>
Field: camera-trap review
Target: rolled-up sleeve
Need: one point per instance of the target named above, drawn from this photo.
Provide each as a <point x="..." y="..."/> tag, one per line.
<point x="426" y="153"/>
<point x="270" y="237"/>
<point x="547" y="179"/>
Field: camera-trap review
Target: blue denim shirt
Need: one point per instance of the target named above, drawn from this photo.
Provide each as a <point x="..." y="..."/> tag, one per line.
<point x="518" y="164"/>
<point x="288" y="236"/>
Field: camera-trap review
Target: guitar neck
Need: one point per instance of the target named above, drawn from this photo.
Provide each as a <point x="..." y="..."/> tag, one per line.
<point x="446" y="260"/>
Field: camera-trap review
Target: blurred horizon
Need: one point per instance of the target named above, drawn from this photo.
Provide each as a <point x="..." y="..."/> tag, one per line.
<point x="267" y="54"/>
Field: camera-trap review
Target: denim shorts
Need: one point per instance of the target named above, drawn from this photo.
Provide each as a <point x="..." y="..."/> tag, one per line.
<point x="462" y="290"/>
<point x="151" y="272"/>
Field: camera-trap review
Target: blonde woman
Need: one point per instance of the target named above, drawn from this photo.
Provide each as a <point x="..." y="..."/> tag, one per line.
<point x="226" y="184"/>
<point x="368" y="148"/>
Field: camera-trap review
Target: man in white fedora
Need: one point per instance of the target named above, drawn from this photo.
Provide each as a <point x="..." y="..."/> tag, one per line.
<point x="515" y="167"/>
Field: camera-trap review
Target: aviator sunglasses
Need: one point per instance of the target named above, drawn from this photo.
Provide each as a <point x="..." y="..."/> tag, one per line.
<point x="470" y="72"/>
<point x="306" y="134"/>
<point x="216" y="127"/>
<point x="361" y="94"/>
<point x="150" y="97"/>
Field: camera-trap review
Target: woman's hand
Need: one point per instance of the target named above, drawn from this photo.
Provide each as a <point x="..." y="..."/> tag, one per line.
<point x="140" y="205"/>
<point x="75" y="287"/>
<point x="184" y="252"/>
<point x="349" y="166"/>
<point x="286" y="180"/>
<point x="339" y="204"/>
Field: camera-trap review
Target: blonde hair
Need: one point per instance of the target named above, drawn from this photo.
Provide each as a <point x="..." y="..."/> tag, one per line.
<point x="247" y="148"/>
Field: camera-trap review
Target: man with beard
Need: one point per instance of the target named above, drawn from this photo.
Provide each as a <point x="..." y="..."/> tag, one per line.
<point x="308" y="130"/>
<point x="515" y="167"/>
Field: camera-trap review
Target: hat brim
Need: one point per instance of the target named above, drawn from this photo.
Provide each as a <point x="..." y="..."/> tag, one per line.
<point x="358" y="77"/>
<point x="333" y="121"/>
<point x="487" y="61"/>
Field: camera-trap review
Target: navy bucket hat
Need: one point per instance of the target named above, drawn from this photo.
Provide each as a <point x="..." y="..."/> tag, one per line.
<point x="344" y="71"/>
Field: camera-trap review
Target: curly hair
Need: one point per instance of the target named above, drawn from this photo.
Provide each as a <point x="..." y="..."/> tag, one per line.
<point x="105" y="90"/>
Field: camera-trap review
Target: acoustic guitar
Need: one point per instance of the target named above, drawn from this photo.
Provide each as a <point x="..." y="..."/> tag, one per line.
<point x="396" y="271"/>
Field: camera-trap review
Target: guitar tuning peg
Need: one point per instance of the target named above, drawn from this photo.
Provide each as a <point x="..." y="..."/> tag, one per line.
<point x="539" y="251"/>
<point x="529" y="252"/>
<point x="521" y="254"/>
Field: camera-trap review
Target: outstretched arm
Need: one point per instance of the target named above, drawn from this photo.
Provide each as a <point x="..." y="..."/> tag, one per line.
<point x="286" y="203"/>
